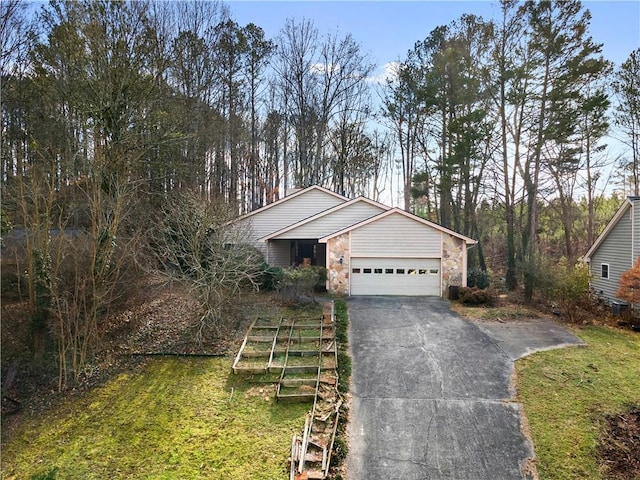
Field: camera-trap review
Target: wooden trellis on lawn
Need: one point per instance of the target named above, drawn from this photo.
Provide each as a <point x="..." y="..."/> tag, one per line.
<point x="305" y="354"/>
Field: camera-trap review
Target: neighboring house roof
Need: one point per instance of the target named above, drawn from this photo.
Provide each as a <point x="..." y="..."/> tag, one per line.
<point x="397" y="211"/>
<point x="624" y="208"/>
<point x="314" y="218"/>
<point x="288" y="198"/>
<point x="13" y="244"/>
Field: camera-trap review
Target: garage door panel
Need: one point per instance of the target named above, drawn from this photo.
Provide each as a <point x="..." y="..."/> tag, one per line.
<point x="395" y="276"/>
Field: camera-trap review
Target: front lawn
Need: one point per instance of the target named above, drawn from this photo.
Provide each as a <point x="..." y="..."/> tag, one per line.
<point x="567" y="393"/>
<point x="177" y="418"/>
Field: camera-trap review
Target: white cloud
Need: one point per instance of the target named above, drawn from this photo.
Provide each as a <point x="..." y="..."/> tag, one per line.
<point x="323" y="67"/>
<point x="388" y="71"/>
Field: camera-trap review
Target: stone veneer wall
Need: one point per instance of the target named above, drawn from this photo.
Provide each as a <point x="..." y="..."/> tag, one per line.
<point x="453" y="250"/>
<point x="338" y="273"/>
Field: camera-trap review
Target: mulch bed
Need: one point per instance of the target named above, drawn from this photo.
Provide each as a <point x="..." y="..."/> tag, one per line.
<point x="619" y="451"/>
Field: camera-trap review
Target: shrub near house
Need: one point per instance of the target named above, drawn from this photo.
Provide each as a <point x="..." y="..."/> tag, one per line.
<point x="474" y="296"/>
<point x="630" y="284"/>
<point x="630" y="291"/>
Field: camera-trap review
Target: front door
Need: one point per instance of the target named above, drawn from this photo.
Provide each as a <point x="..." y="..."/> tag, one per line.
<point x="308" y="252"/>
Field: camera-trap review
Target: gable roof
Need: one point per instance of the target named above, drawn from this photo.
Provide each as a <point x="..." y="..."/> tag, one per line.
<point x="299" y="193"/>
<point x="624" y="208"/>
<point x="323" y="214"/>
<point x="397" y="211"/>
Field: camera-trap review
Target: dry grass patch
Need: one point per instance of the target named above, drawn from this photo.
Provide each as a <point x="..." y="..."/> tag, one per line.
<point x="499" y="312"/>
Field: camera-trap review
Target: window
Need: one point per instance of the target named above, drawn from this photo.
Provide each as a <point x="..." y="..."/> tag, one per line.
<point x="422" y="271"/>
<point x="412" y="271"/>
<point x="433" y="271"/>
<point x="355" y="270"/>
<point x="400" y="271"/>
<point x="604" y="270"/>
<point x="388" y="270"/>
<point x="366" y="270"/>
<point x="377" y="270"/>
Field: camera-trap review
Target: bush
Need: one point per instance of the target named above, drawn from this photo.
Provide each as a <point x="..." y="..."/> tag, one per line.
<point x="477" y="296"/>
<point x="271" y="278"/>
<point x="196" y="245"/>
<point x="344" y="360"/>
<point x="630" y="284"/>
<point x="340" y="451"/>
<point x="342" y="320"/>
<point x="344" y="376"/>
<point x="571" y="288"/>
<point x="321" y="278"/>
<point x="13" y="284"/>
<point x="299" y="282"/>
<point x="478" y="278"/>
<point x="344" y="371"/>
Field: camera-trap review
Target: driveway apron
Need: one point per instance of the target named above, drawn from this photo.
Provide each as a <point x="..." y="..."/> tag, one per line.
<point x="431" y="396"/>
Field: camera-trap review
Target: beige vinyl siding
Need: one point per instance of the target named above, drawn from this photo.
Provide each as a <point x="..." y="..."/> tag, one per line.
<point x="279" y="253"/>
<point x="289" y="212"/>
<point x="334" y="221"/>
<point x="396" y="236"/>
<point x="615" y="250"/>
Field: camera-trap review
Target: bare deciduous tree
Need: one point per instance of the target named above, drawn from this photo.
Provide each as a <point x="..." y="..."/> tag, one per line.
<point x="93" y="273"/>
<point x="320" y="80"/>
<point x="195" y="244"/>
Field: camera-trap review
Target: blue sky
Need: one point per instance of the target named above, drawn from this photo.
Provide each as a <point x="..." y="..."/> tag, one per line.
<point x="386" y="30"/>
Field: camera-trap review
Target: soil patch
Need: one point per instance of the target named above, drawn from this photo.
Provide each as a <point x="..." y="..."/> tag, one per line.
<point x="619" y="451"/>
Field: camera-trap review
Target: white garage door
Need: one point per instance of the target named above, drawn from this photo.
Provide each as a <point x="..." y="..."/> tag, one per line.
<point x="395" y="276"/>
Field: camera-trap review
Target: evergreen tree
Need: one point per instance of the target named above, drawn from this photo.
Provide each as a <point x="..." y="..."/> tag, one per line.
<point x="627" y="117"/>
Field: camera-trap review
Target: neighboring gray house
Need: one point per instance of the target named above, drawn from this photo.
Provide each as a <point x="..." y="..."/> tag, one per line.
<point x="368" y="248"/>
<point x="615" y="250"/>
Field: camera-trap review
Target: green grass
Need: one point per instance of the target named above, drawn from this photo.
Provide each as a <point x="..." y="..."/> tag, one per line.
<point x="306" y="332"/>
<point x="175" y="419"/>
<point x="566" y="393"/>
<point x="341" y="445"/>
<point x="344" y="360"/>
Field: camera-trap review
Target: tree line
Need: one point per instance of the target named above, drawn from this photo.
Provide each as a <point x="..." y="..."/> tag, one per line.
<point x="114" y="114"/>
<point x="513" y="115"/>
<point x="179" y="95"/>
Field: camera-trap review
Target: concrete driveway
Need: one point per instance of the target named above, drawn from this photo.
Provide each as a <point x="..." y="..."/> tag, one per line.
<point x="431" y="395"/>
